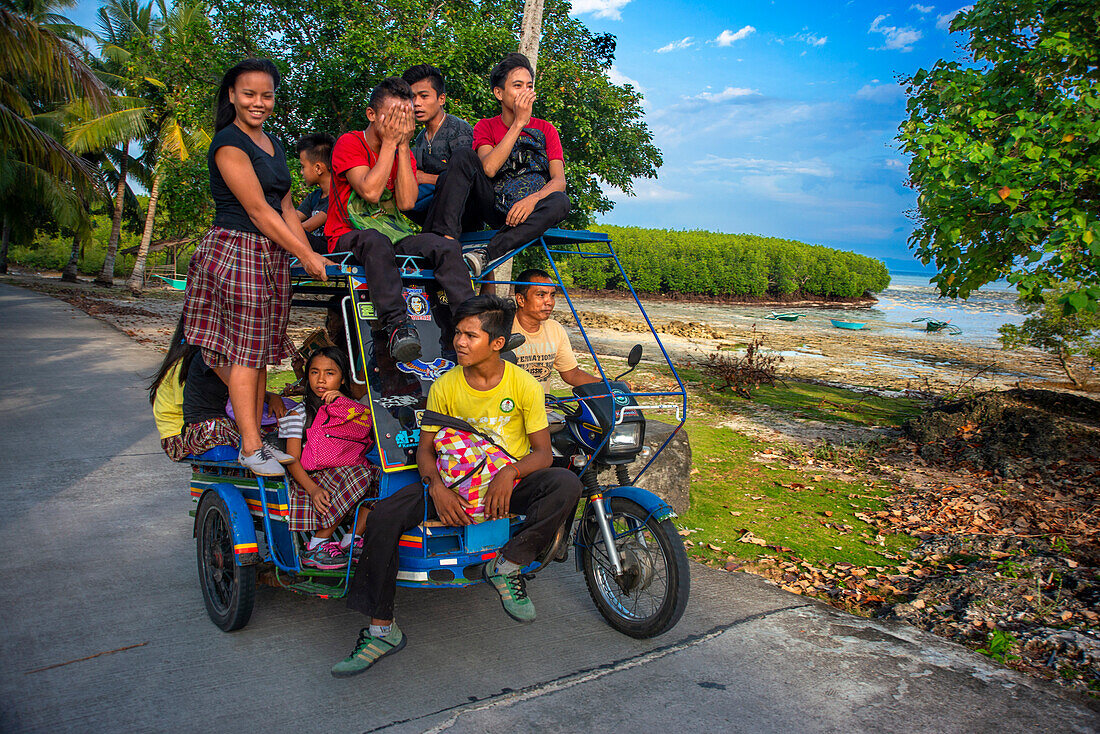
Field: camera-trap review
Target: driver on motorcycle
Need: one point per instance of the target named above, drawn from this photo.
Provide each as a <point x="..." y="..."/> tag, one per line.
<point x="547" y="345"/>
<point x="496" y="398"/>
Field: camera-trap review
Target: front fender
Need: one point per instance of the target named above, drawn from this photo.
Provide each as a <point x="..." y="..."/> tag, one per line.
<point x="654" y="505"/>
<point x="246" y="551"/>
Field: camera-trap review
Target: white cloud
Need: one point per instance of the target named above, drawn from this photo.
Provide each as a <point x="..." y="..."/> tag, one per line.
<point x="882" y="93"/>
<point x="943" y="22"/>
<point x="677" y="45"/>
<point x="896" y="39"/>
<point x="647" y="190"/>
<point x="619" y="78"/>
<point x="728" y="37"/>
<point x="894" y="164"/>
<point x="725" y="95"/>
<point x="922" y="9"/>
<point x="811" y="167"/>
<point x="600" y="8"/>
<point x="811" y="38"/>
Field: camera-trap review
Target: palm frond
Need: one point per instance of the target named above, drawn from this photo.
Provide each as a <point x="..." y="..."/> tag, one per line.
<point x="28" y="51"/>
<point x="11" y="97"/>
<point x="173" y="142"/>
<point x="112" y="128"/>
<point x="23" y="141"/>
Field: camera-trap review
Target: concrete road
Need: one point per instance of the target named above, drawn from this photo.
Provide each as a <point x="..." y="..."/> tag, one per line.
<point x="104" y="629"/>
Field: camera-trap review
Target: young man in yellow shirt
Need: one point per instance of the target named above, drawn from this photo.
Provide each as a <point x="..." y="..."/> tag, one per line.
<point x="547" y="345"/>
<point x="501" y="400"/>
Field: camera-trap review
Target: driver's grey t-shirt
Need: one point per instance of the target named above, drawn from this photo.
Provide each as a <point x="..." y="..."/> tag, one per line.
<point x="433" y="155"/>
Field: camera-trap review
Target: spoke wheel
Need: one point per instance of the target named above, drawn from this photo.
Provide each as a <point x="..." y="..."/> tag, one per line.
<point x="649" y="597"/>
<point x="228" y="590"/>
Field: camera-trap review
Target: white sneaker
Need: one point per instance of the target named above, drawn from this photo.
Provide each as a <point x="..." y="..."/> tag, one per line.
<point x="280" y="456"/>
<point x="262" y="463"/>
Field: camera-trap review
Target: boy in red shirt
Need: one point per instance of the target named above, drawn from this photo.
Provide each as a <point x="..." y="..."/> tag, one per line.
<point x="377" y="166"/>
<point x="515" y="181"/>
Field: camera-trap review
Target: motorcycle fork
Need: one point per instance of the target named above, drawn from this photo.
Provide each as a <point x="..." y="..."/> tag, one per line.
<point x="604" y="522"/>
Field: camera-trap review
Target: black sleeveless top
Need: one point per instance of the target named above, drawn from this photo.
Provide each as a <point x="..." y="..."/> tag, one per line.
<point x="271" y="170"/>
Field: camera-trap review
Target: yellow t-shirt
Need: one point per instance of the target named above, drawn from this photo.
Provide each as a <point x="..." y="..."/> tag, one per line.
<point x="508" y="412"/>
<point x="546" y="348"/>
<point x="168" y="403"/>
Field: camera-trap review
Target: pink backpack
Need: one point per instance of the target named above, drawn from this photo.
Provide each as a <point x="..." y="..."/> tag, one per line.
<point x="467" y="459"/>
<point x="340" y="435"/>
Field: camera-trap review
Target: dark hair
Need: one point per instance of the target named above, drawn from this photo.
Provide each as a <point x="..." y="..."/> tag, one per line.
<point x="529" y="275"/>
<point x="225" y="114"/>
<point x="494" y="313"/>
<point x="178" y="349"/>
<point x="312" y="402"/>
<point x="509" y="63"/>
<point x="317" y="147"/>
<point x="420" y="72"/>
<point x="391" y="86"/>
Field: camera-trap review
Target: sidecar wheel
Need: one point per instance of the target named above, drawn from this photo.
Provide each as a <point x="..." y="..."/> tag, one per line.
<point x="650" y="596"/>
<point x="228" y="590"/>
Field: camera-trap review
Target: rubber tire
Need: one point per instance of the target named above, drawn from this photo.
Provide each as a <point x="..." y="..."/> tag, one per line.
<point x="676" y="561"/>
<point x="212" y="519"/>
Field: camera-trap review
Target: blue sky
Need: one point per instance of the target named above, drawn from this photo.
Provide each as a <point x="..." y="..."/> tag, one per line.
<point x="775" y="118"/>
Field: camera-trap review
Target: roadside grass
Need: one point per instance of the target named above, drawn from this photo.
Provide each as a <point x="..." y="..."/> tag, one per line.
<point x="794" y="510"/>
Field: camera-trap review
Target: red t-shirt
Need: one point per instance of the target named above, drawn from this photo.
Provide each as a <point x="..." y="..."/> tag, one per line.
<point x="351" y="150"/>
<point x="492" y="130"/>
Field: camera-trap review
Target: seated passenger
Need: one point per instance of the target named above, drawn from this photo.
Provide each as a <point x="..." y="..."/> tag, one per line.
<point x="166" y="395"/>
<point x="334" y="334"/>
<point x="319" y="500"/>
<point x="315" y="156"/>
<point x="442" y="134"/>
<point x="546" y="344"/>
<point x="376" y="167"/>
<point x="516" y="180"/>
<point x="496" y="397"/>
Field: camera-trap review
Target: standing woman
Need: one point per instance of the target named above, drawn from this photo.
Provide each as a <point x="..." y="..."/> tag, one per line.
<point x="238" y="284"/>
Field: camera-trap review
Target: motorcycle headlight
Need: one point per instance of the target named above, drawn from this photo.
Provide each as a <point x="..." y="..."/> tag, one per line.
<point x="625" y="437"/>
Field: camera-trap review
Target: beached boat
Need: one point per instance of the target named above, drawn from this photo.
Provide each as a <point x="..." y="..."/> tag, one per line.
<point x="853" y="325"/>
<point x="179" y="285"/>
<point x="934" y="326"/>
<point x="783" y="316"/>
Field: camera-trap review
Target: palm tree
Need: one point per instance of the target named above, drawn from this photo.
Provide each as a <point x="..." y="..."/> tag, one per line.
<point x="41" y="64"/>
<point x="151" y="112"/>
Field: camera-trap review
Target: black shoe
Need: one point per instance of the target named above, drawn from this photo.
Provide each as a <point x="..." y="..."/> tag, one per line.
<point x="404" y="343"/>
<point x="475" y="260"/>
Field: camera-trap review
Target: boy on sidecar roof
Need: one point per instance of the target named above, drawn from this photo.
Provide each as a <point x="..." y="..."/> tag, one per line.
<point x="505" y="402"/>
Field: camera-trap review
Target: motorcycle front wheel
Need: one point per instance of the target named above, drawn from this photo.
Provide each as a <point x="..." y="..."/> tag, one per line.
<point x="649" y="597"/>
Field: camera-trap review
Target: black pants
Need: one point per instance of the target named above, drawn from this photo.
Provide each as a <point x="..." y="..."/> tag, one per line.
<point x="376" y="253"/>
<point x="317" y="243"/>
<point x="547" y="497"/>
<point x="464" y="199"/>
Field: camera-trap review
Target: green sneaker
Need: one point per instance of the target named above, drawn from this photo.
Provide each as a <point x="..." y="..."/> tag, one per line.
<point x="368" y="651"/>
<point x="513" y="592"/>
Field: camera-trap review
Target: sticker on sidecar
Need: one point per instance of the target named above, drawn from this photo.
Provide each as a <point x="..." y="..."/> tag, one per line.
<point x="366" y="311"/>
<point x="427" y="371"/>
<point x="408" y="439"/>
<point x="416" y="304"/>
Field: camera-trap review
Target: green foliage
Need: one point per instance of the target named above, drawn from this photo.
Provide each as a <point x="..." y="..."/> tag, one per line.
<point x="714" y="264"/>
<point x="998" y="645"/>
<point x="1006" y="152"/>
<point x="1052" y="330"/>
<point x="51" y="251"/>
<point x="333" y="54"/>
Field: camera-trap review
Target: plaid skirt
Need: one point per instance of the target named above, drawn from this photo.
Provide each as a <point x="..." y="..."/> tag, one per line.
<point x="198" y="438"/>
<point x="237" y="300"/>
<point x="346" y="485"/>
<point x="173" y="446"/>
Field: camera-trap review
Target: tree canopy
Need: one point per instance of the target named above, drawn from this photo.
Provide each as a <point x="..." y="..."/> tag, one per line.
<point x="334" y="53"/>
<point x="1005" y="152"/>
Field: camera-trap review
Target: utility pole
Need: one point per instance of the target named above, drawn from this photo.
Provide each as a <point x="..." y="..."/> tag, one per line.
<point x="530" y="31"/>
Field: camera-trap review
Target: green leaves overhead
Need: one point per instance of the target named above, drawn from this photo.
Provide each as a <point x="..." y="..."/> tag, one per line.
<point x="1006" y="152"/>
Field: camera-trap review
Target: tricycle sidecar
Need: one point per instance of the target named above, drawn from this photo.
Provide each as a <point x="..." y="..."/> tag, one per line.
<point x="624" y="541"/>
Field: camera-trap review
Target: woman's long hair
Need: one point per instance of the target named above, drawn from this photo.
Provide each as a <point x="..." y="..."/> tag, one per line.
<point x="312" y="401"/>
<point x="225" y="113"/>
<point x="178" y="349"/>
